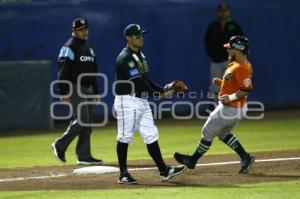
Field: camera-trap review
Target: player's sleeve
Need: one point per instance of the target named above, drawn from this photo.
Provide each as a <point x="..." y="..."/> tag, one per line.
<point x="244" y="79"/>
<point x="155" y="86"/>
<point x="95" y="70"/>
<point x="66" y="52"/>
<point x="218" y="82"/>
<point x="65" y="59"/>
<point x="95" y="85"/>
<point x="142" y="85"/>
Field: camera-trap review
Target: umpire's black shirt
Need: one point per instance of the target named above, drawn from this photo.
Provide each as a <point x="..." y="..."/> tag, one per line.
<point x="133" y="66"/>
<point x="76" y="57"/>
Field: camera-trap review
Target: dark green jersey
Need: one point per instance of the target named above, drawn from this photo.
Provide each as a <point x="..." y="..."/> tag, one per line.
<point x="133" y="66"/>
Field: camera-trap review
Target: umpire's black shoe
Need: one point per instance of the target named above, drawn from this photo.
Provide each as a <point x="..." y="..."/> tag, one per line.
<point x="125" y="178"/>
<point x="185" y="159"/>
<point x="89" y="161"/>
<point x="59" y="154"/>
<point x="171" y="171"/>
<point x="246" y="163"/>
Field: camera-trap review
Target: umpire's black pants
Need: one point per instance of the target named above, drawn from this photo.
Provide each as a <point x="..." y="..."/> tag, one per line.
<point x="83" y="146"/>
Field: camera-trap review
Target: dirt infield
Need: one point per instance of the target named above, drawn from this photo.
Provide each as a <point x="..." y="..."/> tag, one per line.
<point x="199" y="177"/>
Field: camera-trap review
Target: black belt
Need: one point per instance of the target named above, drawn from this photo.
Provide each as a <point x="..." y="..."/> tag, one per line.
<point x="139" y="95"/>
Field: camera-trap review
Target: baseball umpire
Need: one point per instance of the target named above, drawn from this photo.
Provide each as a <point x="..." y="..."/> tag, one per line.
<point x="235" y="86"/>
<point x="132" y="108"/>
<point x="77" y="57"/>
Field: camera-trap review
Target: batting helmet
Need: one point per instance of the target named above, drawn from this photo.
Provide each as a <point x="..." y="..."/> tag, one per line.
<point x="239" y="43"/>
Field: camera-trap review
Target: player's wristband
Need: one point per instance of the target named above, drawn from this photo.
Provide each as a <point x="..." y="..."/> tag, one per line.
<point x="232" y="97"/>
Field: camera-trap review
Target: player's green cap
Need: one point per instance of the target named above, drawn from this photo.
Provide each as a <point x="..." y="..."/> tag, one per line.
<point x="134" y="29"/>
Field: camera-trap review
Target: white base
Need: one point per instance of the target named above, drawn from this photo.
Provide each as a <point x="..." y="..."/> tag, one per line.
<point x="95" y="170"/>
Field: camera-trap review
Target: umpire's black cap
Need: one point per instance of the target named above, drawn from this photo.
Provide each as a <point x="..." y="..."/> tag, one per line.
<point x="134" y="29"/>
<point x="239" y="43"/>
<point x="80" y="23"/>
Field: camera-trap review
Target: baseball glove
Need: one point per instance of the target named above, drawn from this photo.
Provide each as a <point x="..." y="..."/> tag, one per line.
<point x="176" y="86"/>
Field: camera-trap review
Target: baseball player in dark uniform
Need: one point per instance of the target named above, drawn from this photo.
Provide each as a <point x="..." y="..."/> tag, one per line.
<point x="132" y="108"/>
<point x="235" y="87"/>
<point x="76" y="57"/>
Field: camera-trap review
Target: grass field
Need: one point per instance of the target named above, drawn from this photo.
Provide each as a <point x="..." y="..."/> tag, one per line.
<point x="257" y="191"/>
<point x="268" y="135"/>
<point x="35" y="150"/>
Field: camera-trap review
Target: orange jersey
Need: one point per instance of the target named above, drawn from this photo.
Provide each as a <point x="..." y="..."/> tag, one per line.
<point x="237" y="77"/>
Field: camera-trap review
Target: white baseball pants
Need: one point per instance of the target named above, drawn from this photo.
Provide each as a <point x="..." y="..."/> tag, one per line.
<point x="134" y="114"/>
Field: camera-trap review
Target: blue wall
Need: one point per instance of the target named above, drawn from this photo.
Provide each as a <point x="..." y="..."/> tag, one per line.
<point x="174" y="46"/>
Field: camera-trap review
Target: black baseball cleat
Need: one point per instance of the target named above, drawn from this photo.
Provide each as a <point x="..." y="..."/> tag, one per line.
<point x="171" y="171"/>
<point x="246" y="164"/>
<point x="185" y="159"/>
<point x="89" y="161"/>
<point x="125" y="178"/>
<point x="59" y="154"/>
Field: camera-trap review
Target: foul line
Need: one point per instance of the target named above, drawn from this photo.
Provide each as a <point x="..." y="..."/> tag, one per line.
<point x="224" y="163"/>
<point x="148" y="168"/>
<point x="33" y="177"/>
